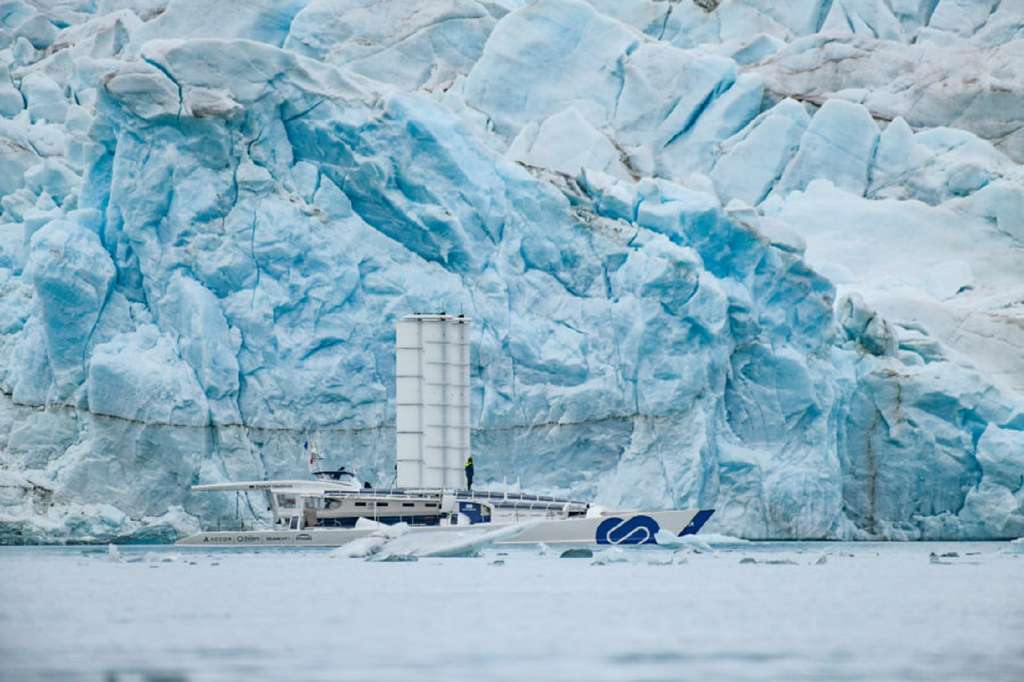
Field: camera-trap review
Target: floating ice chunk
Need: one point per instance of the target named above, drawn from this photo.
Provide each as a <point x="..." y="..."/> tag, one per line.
<point x="371" y="544"/>
<point x="769" y="562"/>
<point x="360" y="547"/>
<point x="669" y="540"/>
<point x="612" y="555"/>
<point x="113" y="553"/>
<point x="445" y="543"/>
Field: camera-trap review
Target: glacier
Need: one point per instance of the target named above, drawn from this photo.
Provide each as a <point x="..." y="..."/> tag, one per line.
<point x="752" y="256"/>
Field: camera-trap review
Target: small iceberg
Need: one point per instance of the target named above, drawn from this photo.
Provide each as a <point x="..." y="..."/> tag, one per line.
<point x="444" y="543"/>
<point x="613" y="555"/>
<point x="691" y="542"/>
<point x="371" y="544"/>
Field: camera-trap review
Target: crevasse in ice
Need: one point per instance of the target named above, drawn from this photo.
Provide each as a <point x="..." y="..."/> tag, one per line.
<point x="761" y="257"/>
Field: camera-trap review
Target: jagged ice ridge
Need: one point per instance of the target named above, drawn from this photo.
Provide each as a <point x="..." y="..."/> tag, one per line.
<point x="762" y="257"/>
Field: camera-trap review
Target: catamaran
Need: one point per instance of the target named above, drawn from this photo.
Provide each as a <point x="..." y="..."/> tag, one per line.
<point x="430" y="492"/>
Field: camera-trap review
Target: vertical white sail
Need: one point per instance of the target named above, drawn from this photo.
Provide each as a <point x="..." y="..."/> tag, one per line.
<point x="432" y="400"/>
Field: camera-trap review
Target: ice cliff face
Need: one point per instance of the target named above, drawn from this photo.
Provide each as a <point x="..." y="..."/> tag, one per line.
<point x="762" y="257"/>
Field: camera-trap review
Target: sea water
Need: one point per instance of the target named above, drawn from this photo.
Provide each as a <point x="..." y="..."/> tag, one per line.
<point x="815" y="611"/>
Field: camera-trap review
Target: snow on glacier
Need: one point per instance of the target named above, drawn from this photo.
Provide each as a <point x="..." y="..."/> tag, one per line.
<point x="706" y="265"/>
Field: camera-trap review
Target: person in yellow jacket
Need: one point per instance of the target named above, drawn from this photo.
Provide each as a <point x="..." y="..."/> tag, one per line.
<point x="469" y="473"/>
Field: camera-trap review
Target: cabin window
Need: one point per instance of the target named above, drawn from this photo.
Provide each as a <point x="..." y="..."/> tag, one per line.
<point x="408" y="504"/>
<point x="382" y="504"/>
<point x="360" y="504"/>
<point x="334" y="504"/>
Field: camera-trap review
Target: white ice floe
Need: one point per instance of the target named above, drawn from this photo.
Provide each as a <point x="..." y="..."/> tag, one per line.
<point x="444" y="543"/>
<point x="371" y="544"/>
<point x="688" y="542"/>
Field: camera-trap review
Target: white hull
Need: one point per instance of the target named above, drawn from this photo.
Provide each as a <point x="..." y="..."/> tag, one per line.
<point x="627" y="528"/>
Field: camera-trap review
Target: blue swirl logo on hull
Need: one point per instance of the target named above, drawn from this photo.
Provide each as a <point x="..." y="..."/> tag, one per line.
<point x="636" y="530"/>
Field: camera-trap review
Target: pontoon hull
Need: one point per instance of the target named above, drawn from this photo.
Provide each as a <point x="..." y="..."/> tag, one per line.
<point x="632" y="528"/>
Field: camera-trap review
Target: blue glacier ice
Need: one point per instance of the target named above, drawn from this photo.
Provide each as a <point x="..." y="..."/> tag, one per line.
<point x="706" y="265"/>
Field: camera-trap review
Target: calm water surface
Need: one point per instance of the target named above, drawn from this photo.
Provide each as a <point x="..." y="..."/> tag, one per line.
<point x="864" y="612"/>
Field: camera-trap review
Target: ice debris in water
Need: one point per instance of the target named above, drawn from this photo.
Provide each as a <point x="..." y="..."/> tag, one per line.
<point x="690" y="543"/>
<point x="444" y="543"/>
<point x="113" y="553"/>
<point x="611" y="555"/>
<point x="769" y="562"/>
<point x="370" y="544"/>
<point x="360" y="547"/>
